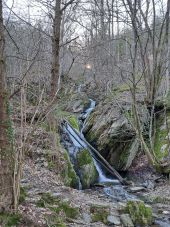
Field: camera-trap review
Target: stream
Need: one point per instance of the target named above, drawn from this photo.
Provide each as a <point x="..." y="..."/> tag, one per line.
<point x="111" y="181"/>
<point x="77" y="141"/>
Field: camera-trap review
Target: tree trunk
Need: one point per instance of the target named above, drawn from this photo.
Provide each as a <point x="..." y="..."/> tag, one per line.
<point x="55" y="77"/>
<point x="6" y="143"/>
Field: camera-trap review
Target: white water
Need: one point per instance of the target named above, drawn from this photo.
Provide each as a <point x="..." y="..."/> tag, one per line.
<point x="79" y="143"/>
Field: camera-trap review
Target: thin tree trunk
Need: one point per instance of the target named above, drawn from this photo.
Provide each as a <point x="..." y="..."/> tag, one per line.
<point x="55" y="77"/>
<point x="6" y="143"/>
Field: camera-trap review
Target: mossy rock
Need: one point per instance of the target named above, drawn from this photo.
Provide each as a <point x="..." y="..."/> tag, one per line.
<point x="161" y="145"/>
<point x="9" y="220"/>
<point x="86" y="167"/>
<point x="99" y="212"/>
<point x="58" y="205"/>
<point x="47" y="199"/>
<point x="140" y="213"/>
<point x="69" y="211"/>
<point x="68" y="174"/>
<point x="74" y="122"/>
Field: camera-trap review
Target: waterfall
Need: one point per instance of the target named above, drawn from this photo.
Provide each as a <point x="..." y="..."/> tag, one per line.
<point x="78" y="142"/>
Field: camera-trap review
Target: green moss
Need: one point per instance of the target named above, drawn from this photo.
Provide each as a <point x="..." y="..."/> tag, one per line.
<point x="55" y="221"/>
<point x="87" y="170"/>
<point x="140" y="214"/>
<point x="99" y="213"/>
<point x="46" y="200"/>
<point x="57" y="205"/>
<point x="8" y="220"/>
<point x="160" y="139"/>
<point x="68" y="174"/>
<point x="70" y="212"/>
<point x="84" y="158"/>
<point x="74" y="122"/>
<point x="159" y="199"/>
<point x="23" y="194"/>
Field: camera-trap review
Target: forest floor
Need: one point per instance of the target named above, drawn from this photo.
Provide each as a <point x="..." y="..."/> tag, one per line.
<point x="38" y="179"/>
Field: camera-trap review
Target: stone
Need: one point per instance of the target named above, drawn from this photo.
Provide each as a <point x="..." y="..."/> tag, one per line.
<point x="86" y="169"/>
<point x="46" y="164"/>
<point x="126" y="220"/>
<point x="140" y="213"/>
<point x="136" y="189"/>
<point x="87" y="218"/>
<point x="121" y="206"/>
<point x="107" y="129"/>
<point x="113" y="220"/>
<point x="68" y="173"/>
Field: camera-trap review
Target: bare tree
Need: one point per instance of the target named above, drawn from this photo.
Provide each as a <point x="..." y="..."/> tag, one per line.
<point x="55" y="74"/>
<point x="6" y="140"/>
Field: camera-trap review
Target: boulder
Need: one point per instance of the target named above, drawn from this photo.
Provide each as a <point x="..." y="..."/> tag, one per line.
<point x="140" y="213"/>
<point x="86" y="168"/>
<point x="126" y="220"/>
<point x="68" y="173"/>
<point x="111" y="133"/>
<point x="112" y="219"/>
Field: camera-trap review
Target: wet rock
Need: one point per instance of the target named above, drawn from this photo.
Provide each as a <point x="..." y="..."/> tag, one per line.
<point x="126" y="220"/>
<point x="111" y="219"/>
<point x="86" y="168"/>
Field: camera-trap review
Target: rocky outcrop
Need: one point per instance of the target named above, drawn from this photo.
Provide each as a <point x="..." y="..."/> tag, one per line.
<point x="110" y="131"/>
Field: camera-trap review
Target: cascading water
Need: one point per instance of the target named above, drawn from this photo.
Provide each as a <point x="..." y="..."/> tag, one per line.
<point x="79" y="142"/>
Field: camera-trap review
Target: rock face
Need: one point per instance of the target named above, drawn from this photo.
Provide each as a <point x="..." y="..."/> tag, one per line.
<point x="69" y="175"/>
<point x="112" y="134"/>
<point x="86" y="168"/>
